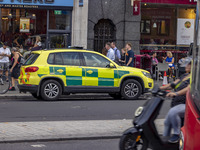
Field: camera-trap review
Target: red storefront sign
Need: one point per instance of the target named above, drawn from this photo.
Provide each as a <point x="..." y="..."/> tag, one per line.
<point x="136" y="8"/>
<point x="185" y="2"/>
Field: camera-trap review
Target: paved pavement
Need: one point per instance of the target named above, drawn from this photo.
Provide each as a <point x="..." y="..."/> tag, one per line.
<point x="63" y="130"/>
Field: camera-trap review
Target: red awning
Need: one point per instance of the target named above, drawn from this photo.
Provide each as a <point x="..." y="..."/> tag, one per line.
<point x="186" y="2"/>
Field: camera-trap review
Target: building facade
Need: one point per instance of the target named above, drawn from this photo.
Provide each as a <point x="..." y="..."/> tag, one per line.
<point x="105" y="21"/>
<point x="100" y="21"/>
<point x="167" y="22"/>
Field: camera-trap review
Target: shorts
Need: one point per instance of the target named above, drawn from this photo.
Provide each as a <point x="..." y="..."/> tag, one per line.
<point x="4" y="66"/>
<point x="15" y="73"/>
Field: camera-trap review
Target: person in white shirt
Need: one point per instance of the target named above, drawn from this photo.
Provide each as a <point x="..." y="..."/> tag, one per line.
<point x="4" y="61"/>
<point x="111" y="53"/>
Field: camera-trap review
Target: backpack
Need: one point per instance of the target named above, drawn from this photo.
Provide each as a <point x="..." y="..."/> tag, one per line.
<point x="21" y="61"/>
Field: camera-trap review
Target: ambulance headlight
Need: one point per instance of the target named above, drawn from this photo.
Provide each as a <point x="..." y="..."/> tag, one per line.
<point x="146" y="74"/>
<point x="138" y="111"/>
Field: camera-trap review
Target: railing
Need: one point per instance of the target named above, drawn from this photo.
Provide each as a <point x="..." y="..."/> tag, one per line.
<point x="164" y="47"/>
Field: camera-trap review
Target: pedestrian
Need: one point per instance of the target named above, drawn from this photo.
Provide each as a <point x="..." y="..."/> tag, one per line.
<point x="152" y="45"/>
<point x="104" y="51"/>
<point x="170" y="61"/>
<point x="116" y="51"/>
<point x="129" y="55"/>
<point x="15" y="67"/>
<point x="123" y="57"/>
<point x="154" y="64"/>
<point x="37" y="46"/>
<point x="4" y="61"/>
<point x="110" y="54"/>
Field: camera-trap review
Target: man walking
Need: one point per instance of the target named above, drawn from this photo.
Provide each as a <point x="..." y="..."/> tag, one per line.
<point x="110" y="53"/>
<point x="116" y="51"/>
<point x="4" y="61"/>
<point x="129" y="55"/>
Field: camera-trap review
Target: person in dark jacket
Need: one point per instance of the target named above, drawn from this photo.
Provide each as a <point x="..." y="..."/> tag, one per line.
<point x="177" y="111"/>
<point x="15" y="67"/>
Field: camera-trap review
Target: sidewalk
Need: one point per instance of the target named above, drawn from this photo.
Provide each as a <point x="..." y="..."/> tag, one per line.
<point x="65" y="130"/>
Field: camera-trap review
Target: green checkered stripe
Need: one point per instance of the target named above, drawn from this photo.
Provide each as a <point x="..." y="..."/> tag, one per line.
<point x="92" y="77"/>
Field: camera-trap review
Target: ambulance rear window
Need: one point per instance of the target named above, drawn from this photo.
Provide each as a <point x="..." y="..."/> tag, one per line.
<point x="31" y="60"/>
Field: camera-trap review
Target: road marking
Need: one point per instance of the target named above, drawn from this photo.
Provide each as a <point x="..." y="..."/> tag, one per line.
<point x="38" y="146"/>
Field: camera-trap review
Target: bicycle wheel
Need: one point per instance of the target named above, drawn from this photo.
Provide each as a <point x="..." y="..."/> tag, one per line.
<point x="4" y="85"/>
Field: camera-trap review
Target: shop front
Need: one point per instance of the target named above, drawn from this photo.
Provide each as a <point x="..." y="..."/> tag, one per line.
<point x="22" y="20"/>
<point x="167" y="24"/>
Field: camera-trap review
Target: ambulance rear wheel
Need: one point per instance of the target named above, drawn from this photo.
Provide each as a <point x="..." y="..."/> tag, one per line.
<point x="51" y="90"/>
<point x="131" y="89"/>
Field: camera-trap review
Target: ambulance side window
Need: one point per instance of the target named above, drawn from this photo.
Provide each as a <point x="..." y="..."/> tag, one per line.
<point x="51" y="59"/>
<point x="71" y="58"/>
<point x="94" y="60"/>
<point x="55" y="59"/>
<point x="58" y="59"/>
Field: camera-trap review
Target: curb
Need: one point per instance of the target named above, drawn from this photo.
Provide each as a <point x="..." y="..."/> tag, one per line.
<point x="28" y="96"/>
<point x="16" y="96"/>
<point x="61" y="139"/>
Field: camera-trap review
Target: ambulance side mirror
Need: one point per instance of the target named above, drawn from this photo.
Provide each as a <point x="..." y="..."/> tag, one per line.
<point x="111" y="65"/>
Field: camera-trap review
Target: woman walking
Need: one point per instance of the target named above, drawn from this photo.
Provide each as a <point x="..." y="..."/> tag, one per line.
<point x="15" y="69"/>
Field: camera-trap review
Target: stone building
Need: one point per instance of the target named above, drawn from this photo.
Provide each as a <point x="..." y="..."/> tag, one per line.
<point x="98" y="21"/>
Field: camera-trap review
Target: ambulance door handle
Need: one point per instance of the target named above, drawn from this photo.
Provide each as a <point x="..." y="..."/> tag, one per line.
<point x="60" y="71"/>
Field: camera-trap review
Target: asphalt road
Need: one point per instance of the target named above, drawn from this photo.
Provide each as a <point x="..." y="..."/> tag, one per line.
<point x="78" y="107"/>
<point x="109" y="144"/>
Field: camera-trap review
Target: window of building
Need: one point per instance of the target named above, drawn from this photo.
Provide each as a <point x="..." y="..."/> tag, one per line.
<point x="60" y="19"/>
<point x="145" y="26"/>
<point x="19" y="25"/>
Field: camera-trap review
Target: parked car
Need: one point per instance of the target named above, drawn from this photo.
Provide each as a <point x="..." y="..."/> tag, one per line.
<point x="47" y="74"/>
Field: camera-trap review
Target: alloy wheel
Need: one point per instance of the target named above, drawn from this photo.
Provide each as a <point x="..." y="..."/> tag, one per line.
<point x="131" y="89"/>
<point x="51" y="90"/>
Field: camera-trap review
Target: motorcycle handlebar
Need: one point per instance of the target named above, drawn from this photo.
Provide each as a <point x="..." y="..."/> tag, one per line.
<point x="156" y="91"/>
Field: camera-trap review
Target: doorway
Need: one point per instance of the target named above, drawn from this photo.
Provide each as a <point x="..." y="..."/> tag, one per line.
<point x="104" y="31"/>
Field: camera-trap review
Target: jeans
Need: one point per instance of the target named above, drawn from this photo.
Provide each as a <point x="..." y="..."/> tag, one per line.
<point x="173" y="120"/>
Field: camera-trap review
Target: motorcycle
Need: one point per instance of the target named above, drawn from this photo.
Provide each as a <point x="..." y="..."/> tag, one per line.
<point x="144" y="134"/>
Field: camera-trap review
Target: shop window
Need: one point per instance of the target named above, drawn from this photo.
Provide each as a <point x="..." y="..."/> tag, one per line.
<point x="60" y="20"/>
<point x="145" y="27"/>
<point x="20" y="24"/>
<point x="163" y="27"/>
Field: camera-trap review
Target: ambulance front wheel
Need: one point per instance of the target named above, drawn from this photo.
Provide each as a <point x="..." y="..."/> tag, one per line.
<point x="51" y="90"/>
<point x="131" y="89"/>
